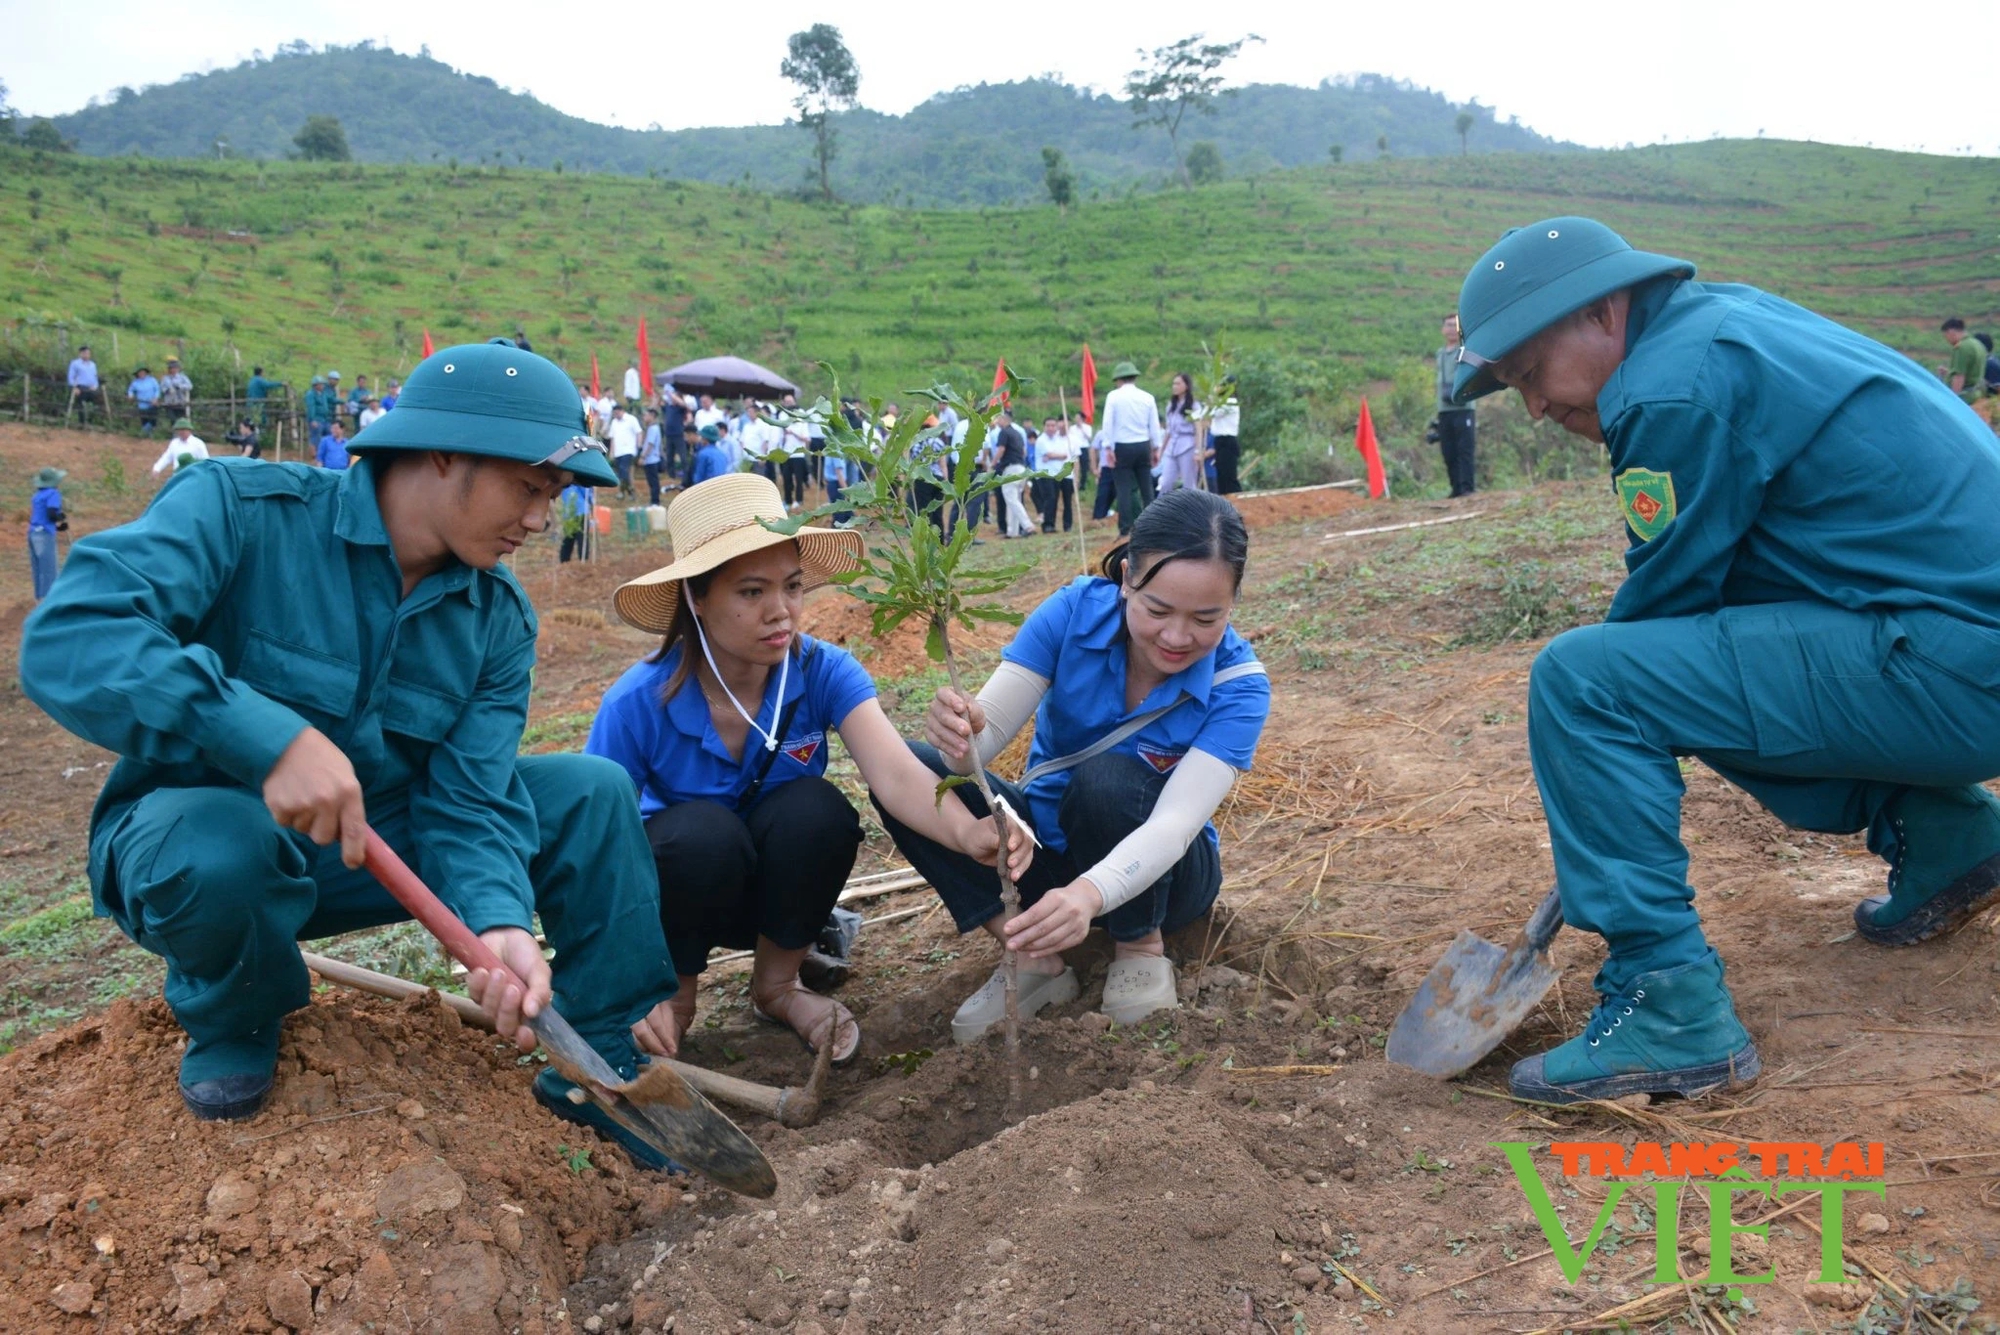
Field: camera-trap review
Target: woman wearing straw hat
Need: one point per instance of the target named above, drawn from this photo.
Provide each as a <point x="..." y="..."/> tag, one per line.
<point x="1146" y="707"/>
<point x="724" y="730"/>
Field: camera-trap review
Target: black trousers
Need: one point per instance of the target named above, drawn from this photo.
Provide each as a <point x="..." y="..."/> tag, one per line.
<point x="727" y="879"/>
<point x="1455" y="443"/>
<point x="1109" y="796"/>
<point x="925" y="493"/>
<point x="1106" y="490"/>
<point x="653" y="481"/>
<point x="1054" y="493"/>
<point x="797" y="478"/>
<point x="1134" y="474"/>
<point x="1228" y="453"/>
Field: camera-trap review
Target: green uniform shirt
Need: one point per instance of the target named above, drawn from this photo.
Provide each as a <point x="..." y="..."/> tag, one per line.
<point x="1764" y="454"/>
<point x="1968" y="359"/>
<point x="253" y="600"/>
<point x="1447" y="372"/>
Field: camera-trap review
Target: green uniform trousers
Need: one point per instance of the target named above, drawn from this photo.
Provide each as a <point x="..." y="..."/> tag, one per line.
<point x="208" y="881"/>
<point x="1823" y="715"/>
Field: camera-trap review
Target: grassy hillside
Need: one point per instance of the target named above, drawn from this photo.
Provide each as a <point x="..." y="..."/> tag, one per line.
<point x="975" y="145"/>
<point x="1327" y="277"/>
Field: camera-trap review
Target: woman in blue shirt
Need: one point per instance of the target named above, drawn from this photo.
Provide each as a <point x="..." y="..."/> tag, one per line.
<point x="45" y="520"/>
<point x="1147" y="706"/>
<point x="725" y="732"/>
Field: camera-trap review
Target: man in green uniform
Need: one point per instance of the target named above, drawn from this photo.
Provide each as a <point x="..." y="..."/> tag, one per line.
<point x="1966" y="373"/>
<point x="1812" y="608"/>
<point x="283" y="656"/>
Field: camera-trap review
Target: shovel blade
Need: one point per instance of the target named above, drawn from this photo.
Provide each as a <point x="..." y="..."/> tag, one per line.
<point x="1471" y="1000"/>
<point x="663" y="1110"/>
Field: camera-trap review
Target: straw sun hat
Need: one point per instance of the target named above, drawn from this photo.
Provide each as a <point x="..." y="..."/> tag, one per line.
<point x="712" y="524"/>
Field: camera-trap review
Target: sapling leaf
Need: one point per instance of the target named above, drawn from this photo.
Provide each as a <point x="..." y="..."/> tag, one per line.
<point x="934" y="642"/>
<point x="948" y="783"/>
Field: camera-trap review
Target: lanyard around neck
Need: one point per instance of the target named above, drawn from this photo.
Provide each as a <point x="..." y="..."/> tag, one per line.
<point x="784" y="671"/>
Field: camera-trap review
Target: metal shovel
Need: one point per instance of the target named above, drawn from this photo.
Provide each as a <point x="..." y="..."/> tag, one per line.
<point x="1475" y="995"/>
<point x="659" y="1107"/>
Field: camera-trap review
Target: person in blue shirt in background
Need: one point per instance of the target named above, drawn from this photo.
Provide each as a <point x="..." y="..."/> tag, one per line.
<point x="332" y="449"/>
<point x="726" y="731"/>
<point x="84" y="392"/>
<point x="1812" y="609"/>
<point x="144" y="391"/>
<point x="649" y="454"/>
<point x="1147" y="706"/>
<point x="711" y="460"/>
<point x="45" y="520"/>
<point x="577" y="508"/>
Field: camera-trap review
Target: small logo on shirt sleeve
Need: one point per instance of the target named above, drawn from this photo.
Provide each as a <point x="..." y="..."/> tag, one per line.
<point x="1647" y="498"/>
<point x="803" y="749"/>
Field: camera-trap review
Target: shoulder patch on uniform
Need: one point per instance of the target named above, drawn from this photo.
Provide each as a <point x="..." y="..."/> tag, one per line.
<point x="1648" y="500"/>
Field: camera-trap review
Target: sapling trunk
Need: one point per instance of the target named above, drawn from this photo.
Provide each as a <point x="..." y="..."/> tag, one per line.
<point x="1010" y="894"/>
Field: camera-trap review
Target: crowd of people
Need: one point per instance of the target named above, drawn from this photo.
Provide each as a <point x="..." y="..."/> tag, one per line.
<point x="1811" y="613"/>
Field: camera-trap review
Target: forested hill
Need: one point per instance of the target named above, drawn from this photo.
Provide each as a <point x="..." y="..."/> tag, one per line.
<point x="979" y="145"/>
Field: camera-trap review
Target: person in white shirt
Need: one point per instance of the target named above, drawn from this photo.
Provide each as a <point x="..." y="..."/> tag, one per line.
<point x="182" y="444"/>
<point x="707" y="414"/>
<point x="634" y="391"/>
<point x="1132" y="424"/>
<point x="1223" y="445"/>
<point x="624" y="432"/>
<point x="797" y="471"/>
<point x="371" y="410"/>
<point x="756" y="438"/>
<point x="1053" y="452"/>
<point x="600" y="408"/>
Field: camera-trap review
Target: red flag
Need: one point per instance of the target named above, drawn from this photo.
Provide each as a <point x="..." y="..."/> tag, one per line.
<point x="596" y="386"/>
<point x="1371" y="453"/>
<point x="1089" y="402"/>
<point x="645" y="362"/>
<point x="429" y="347"/>
<point x="1000" y="381"/>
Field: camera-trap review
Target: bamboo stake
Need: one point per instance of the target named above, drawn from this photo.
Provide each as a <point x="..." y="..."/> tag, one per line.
<point x="1397" y="528"/>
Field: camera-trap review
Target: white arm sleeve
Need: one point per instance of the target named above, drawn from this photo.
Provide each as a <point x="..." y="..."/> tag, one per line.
<point x="1195" y="789"/>
<point x="1009" y="699"/>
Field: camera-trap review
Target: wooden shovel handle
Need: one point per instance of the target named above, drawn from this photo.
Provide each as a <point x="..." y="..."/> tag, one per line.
<point x="409" y="891"/>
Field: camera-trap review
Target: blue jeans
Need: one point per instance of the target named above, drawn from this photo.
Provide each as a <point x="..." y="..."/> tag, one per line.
<point x="1109" y="796"/>
<point x="43" y="563"/>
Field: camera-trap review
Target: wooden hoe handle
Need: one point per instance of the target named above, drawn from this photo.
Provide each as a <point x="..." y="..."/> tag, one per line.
<point x="409" y="891"/>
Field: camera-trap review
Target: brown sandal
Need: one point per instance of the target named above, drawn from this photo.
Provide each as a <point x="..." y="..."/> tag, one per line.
<point x="847" y="1029"/>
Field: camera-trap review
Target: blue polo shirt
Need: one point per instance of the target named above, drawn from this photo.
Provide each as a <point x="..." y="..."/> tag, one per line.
<point x="673" y="753"/>
<point x="43" y="506"/>
<point x="332" y="453"/>
<point x="710" y="460"/>
<point x="1073" y="640"/>
<point x="144" y="390"/>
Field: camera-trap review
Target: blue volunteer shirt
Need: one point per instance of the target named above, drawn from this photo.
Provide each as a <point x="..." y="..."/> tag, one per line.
<point x="42" y="509"/>
<point x="673" y="752"/>
<point x="1764" y="454"/>
<point x="332" y="452"/>
<point x="1073" y="640"/>
<point x="710" y="460"/>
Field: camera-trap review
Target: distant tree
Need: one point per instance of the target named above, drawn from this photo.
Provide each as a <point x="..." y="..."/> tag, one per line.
<point x="6" y="113"/>
<point x="1464" y="123"/>
<point x="828" y="80"/>
<point x="1178" y="79"/>
<point x="1337" y="152"/>
<point x="1204" y="163"/>
<point x="1382" y="145"/>
<point x="42" y="133"/>
<point x="321" y="139"/>
<point x="1057" y="176"/>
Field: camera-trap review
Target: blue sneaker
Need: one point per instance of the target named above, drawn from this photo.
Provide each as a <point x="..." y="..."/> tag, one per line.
<point x="552" y="1091"/>
<point x="1671" y="1032"/>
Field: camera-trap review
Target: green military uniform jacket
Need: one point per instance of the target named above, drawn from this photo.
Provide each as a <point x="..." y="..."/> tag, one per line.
<point x="253" y="600"/>
<point x="1764" y="454"/>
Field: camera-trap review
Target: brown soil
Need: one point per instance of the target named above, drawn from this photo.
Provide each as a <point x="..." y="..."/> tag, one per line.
<point x="1235" y="1167"/>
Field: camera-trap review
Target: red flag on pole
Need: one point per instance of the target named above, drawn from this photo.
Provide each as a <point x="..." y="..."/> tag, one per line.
<point x="429" y="347"/>
<point x="645" y="362"/>
<point x="597" y="386"/>
<point x="1089" y="402"/>
<point x="1000" y="381"/>
<point x="1371" y="453"/>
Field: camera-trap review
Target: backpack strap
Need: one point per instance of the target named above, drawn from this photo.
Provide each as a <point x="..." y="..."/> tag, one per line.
<point x="1253" y="668"/>
<point x="748" y="797"/>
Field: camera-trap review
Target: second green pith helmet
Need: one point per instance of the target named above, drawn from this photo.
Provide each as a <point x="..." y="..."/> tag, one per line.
<point x="1533" y="277"/>
<point x="495" y="400"/>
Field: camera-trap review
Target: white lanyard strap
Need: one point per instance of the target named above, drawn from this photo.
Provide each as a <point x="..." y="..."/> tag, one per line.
<point x="784" y="671"/>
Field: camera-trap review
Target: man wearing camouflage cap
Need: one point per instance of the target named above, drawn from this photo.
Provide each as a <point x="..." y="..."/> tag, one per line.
<point x="284" y="656"/>
<point x="1812" y="609"/>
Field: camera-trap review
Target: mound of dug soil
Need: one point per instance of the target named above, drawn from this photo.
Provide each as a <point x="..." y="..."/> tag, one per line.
<point x="401" y="1180"/>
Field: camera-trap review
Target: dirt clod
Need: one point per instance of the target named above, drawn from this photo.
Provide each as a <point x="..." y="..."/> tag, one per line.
<point x="74" y="1297"/>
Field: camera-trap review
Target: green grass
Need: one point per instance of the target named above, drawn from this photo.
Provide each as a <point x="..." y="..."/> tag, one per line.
<point x="1345" y="267"/>
<point x="56" y="930"/>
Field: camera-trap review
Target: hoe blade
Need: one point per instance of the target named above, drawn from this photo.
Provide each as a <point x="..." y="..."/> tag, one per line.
<point x="1474" y="996"/>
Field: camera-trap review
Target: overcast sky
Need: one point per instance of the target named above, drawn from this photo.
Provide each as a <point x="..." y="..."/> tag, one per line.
<point x="1594" y="73"/>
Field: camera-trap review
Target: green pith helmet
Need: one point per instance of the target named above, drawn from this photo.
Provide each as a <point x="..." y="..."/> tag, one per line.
<point x="1531" y="278"/>
<point x="50" y="477"/>
<point x="1124" y="371"/>
<point x="495" y="400"/>
<point x="181" y="424"/>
